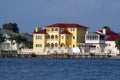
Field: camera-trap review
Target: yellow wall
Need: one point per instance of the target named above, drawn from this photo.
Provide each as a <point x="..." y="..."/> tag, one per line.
<point x="81" y="35"/>
<point x="74" y="33"/>
<point x="39" y="41"/>
<point x="66" y="41"/>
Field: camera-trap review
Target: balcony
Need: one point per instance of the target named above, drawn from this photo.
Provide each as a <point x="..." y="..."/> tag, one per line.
<point x="52" y="40"/>
<point x="53" y="32"/>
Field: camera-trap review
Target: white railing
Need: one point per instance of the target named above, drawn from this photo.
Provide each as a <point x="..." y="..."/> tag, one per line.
<point x="53" y="32"/>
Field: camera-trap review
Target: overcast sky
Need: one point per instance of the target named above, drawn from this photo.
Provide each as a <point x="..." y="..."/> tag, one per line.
<point x="29" y="14"/>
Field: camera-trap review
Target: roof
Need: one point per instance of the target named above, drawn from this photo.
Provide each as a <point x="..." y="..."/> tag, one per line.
<point x="63" y="25"/>
<point x="113" y="38"/>
<point x="27" y="36"/>
<point x="65" y="32"/>
<point x="41" y="32"/>
<point x="109" y="32"/>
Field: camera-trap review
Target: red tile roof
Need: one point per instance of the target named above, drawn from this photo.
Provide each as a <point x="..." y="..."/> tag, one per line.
<point x="65" y="32"/>
<point x="113" y="38"/>
<point x="63" y="25"/>
<point x="109" y="32"/>
<point x="41" y="32"/>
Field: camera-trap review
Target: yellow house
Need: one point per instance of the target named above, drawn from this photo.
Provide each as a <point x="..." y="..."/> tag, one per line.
<point x="59" y="35"/>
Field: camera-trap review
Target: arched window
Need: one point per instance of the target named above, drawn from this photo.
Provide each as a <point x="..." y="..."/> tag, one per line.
<point x="56" y="37"/>
<point x="52" y="45"/>
<point x="52" y="37"/>
<point x="56" y="45"/>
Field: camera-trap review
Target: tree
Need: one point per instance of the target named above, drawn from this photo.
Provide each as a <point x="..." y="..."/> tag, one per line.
<point x="117" y="42"/>
<point x="106" y="27"/>
<point x="1" y="38"/>
<point x="17" y="38"/>
<point x="11" y="27"/>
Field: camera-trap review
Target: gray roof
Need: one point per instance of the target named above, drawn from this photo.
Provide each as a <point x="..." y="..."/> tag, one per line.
<point x="29" y="37"/>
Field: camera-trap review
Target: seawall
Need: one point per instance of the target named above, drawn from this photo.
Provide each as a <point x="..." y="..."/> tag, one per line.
<point x="64" y="56"/>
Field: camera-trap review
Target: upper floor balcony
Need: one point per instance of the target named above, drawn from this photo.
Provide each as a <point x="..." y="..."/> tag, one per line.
<point x="52" y="40"/>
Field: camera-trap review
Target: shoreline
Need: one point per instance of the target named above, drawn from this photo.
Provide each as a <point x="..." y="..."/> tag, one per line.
<point x="59" y="56"/>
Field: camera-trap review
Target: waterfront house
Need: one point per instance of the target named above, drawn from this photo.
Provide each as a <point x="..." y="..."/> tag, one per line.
<point x="95" y="41"/>
<point x="8" y="43"/>
<point x="58" y="37"/>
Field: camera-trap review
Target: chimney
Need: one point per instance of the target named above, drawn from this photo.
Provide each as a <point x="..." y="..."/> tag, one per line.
<point x="104" y="31"/>
<point x="37" y="29"/>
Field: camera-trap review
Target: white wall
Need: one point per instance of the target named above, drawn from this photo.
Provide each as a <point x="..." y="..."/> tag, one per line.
<point x="110" y="48"/>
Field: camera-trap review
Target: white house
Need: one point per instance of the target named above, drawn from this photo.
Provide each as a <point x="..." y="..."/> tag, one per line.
<point x="8" y="43"/>
<point x="95" y="41"/>
<point x="110" y="45"/>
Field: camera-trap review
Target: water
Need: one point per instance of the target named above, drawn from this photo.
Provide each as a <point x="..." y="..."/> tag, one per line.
<point x="59" y="69"/>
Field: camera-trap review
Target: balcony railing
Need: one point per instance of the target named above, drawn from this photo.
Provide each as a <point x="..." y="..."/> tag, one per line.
<point x="52" y="40"/>
<point x="53" y="32"/>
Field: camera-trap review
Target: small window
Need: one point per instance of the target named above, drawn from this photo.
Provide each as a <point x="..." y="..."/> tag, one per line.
<point x="52" y="29"/>
<point x="73" y="29"/>
<point x="73" y="37"/>
<point x="73" y="46"/>
<point x="67" y="37"/>
<point x="38" y="37"/>
<point x="56" y="29"/>
<point x="38" y="45"/>
<point x="62" y="37"/>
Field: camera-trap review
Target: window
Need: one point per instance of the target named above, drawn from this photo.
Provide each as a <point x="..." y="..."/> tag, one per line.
<point x="56" y="29"/>
<point x="62" y="37"/>
<point x="52" y="29"/>
<point x="73" y="45"/>
<point x="72" y="29"/>
<point x="67" y="37"/>
<point x="38" y="45"/>
<point x="38" y="37"/>
<point x="73" y="37"/>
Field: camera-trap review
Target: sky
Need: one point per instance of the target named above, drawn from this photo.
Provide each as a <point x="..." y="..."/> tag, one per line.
<point x="29" y="14"/>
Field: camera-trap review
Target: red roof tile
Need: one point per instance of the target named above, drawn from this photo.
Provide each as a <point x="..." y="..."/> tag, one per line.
<point x="65" y="32"/>
<point x="41" y="32"/>
<point x="63" y="25"/>
<point x="113" y="38"/>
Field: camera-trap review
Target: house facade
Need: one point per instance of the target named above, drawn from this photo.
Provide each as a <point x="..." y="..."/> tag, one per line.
<point x="59" y="36"/>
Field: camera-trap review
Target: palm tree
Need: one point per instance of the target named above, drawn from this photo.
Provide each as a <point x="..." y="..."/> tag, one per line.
<point x="117" y="42"/>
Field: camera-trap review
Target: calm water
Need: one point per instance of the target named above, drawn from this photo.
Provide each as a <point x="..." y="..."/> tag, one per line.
<point x="59" y="69"/>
